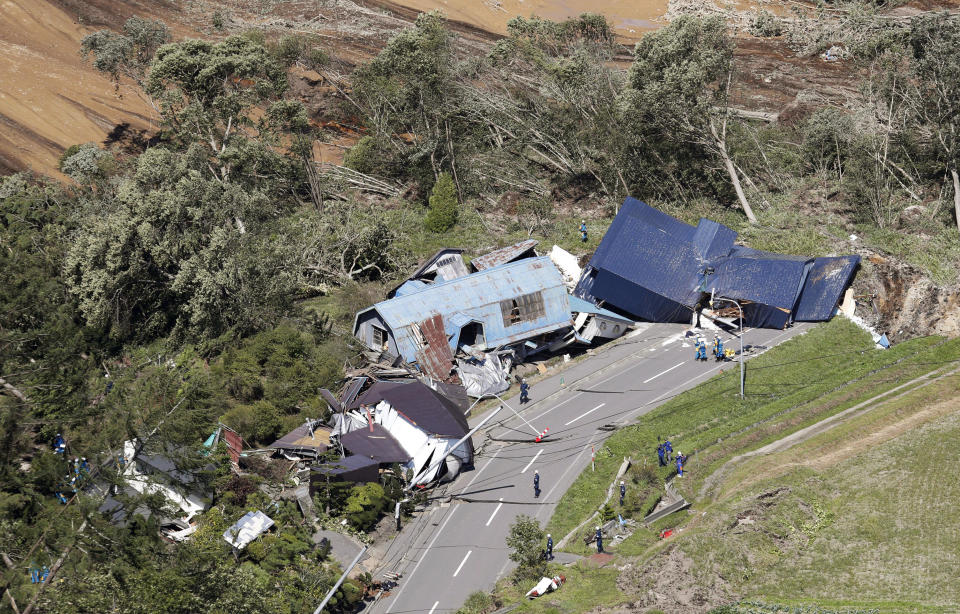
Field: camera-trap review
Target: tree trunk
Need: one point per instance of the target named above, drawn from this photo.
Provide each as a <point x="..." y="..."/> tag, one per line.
<point x="734" y="178"/>
<point x="9" y="388"/>
<point x="956" y="194"/>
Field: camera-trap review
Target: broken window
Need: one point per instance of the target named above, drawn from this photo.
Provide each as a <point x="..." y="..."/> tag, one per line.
<point x="380" y="338"/>
<point x="524" y="308"/>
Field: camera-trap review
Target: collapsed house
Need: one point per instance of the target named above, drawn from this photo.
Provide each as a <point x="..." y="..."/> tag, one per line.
<point x="157" y="474"/>
<point x="407" y="423"/>
<point x="651" y="266"/>
<point x="444" y="265"/>
<point x="508" y="304"/>
<point x="250" y="526"/>
<point x="308" y="440"/>
<point x="511" y="253"/>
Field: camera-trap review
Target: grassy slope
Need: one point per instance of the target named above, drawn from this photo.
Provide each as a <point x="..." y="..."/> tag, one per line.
<point x="864" y="514"/>
<point x="787" y="388"/>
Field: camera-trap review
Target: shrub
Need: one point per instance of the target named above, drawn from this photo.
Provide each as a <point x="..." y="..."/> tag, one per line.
<point x="478" y="602"/>
<point x="443" y="205"/>
<point x="364" y="505"/>
<point x="361" y="156"/>
<point x="765" y="24"/>
<point x="526" y="540"/>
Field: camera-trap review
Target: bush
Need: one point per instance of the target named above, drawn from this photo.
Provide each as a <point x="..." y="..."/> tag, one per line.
<point x="364" y="505"/>
<point x="478" y="602"/>
<point x="526" y="539"/>
<point x="765" y="24"/>
<point x="443" y="205"/>
<point x="361" y="156"/>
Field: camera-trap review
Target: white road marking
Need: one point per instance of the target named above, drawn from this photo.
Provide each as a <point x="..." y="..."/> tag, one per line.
<point x="646" y="381"/>
<point x="539" y="452"/>
<point x="435" y="604"/>
<point x="467" y="556"/>
<point x="604" y="380"/>
<point x="436" y="535"/>
<point x="495" y="512"/>
<point x="586" y="414"/>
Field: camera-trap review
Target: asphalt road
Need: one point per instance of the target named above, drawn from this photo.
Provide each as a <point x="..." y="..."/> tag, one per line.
<point x="457" y="548"/>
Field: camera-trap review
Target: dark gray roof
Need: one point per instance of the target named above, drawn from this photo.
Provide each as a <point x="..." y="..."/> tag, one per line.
<point x="427" y="409"/>
<point x="377" y="444"/>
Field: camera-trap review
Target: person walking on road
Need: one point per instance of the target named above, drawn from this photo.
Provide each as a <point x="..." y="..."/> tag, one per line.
<point x="718" y="347"/>
<point x="549" y="547"/>
<point x="623" y="492"/>
<point x="536" y="484"/>
<point x="599" y="537"/>
<point x="524" y="392"/>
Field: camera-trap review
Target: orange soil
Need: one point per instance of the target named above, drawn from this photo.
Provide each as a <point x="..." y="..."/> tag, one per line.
<point x="49" y="97"/>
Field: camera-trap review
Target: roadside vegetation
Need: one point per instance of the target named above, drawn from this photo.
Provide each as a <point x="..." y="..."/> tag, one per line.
<point x="210" y="276"/>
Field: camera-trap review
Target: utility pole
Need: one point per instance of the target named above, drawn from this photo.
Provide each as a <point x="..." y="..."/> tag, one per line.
<point x="720" y="298"/>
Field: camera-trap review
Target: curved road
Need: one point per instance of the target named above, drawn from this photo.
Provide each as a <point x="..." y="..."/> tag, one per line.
<point x="453" y="549"/>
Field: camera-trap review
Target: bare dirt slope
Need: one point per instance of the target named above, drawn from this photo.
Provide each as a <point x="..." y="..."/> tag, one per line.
<point x="49" y="98"/>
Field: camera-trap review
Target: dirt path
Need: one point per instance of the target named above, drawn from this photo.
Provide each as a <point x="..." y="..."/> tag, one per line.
<point x="793" y="439"/>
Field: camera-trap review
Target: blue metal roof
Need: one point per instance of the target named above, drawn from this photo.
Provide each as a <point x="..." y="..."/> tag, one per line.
<point x="654" y="267"/>
<point x="477" y="297"/>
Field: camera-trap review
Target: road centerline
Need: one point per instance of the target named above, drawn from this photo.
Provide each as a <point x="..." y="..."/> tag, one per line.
<point x="495" y="512"/>
<point x="435" y="604"/>
<point x="584" y="414"/>
<point x="459" y="567"/>
<point x="646" y="381"/>
<point x="539" y="452"/>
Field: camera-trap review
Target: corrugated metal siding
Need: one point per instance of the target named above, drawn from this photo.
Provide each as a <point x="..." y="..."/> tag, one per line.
<point x="435" y="357"/>
<point x="503" y="255"/>
<point x="478" y="296"/>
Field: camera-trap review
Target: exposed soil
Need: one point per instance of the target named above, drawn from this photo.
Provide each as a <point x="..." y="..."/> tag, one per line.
<point x="668" y="582"/>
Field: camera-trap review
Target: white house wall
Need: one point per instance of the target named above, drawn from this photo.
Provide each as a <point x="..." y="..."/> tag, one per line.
<point x="420" y="445"/>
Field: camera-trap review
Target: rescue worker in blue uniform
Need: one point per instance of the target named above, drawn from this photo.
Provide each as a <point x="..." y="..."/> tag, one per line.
<point x="524" y="392"/>
<point x="660" y="453"/>
<point x="59" y="444"/>
<point x="583" y="231"/>
<point x="623" y="491"/>
<point x="536" y="484"/>
<point x="34" y="574"/>
<point x="680" y="459"/>
<point x="44" y="573"/>
<point x="701" y="349"/>
<point x="549" y="547"/>
<point x="668" y="449"/>
<point x="84" y="467"/>
<point x="718" y="347"/>
<point x="599" y="537"/>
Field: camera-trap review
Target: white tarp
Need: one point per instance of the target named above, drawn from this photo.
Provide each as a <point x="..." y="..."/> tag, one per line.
<point x="567" y="264"/>
<point x="190" y="504"/>
<point x="545" y="585"/>
<point x="250" y="526"/>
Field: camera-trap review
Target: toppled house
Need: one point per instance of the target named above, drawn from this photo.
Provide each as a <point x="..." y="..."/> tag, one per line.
<point x="152" y="474"/>
<point x="592" y="323"/>
<point x="357" y="468"/>
<point x="250" y="526"/>
<point x="407" y="423"/>
<point x="506" y="305"/>
<point x="444" y="265"/>
<point x="511" y="253"/>
<point x="308" y="440"/>
<point x="651" y="266"/>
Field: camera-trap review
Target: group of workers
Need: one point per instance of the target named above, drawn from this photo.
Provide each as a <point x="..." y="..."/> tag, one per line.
<point x="38" y="575"/>
<point x="665" y="452"/>
<point x="79" y="470"/>
<point x="717" y="350"/>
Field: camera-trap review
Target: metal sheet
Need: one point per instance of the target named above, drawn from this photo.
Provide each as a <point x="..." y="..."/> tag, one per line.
<point x="505" y="254"/>
<point x="434" y="357"/>
<point x="824" y="287"/>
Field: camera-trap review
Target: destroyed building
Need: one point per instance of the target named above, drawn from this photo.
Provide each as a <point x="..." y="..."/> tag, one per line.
<point x="444" y="265"/>
<point x="406" y="423"/>
<point x="651" y="266"/>
<point x="496" y="307"/>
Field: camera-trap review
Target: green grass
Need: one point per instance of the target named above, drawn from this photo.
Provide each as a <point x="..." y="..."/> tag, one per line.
<point x="809" y="367"/>
<point x="885" y="535"/>
<point x="585" y="589"/>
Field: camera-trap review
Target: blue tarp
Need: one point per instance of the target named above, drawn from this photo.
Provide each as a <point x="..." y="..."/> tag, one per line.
<point x="654" y="267"/>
